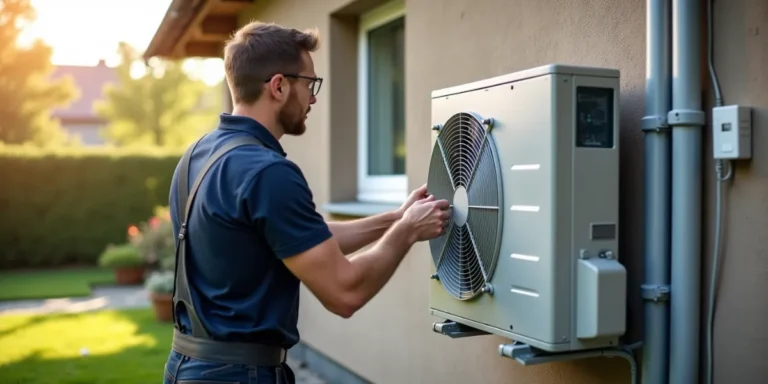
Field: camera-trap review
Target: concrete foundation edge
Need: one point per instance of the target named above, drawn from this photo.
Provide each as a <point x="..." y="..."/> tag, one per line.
<point x="323" y="366"/>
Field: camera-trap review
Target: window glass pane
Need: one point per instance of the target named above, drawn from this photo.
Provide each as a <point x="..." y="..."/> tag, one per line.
<point x="386" y="99"/>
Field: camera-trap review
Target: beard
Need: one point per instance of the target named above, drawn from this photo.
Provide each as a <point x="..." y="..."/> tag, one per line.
<point x="291" y="117"/>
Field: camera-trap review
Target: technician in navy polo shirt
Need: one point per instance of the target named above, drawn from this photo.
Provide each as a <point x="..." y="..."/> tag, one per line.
<point x="253" y="234"/>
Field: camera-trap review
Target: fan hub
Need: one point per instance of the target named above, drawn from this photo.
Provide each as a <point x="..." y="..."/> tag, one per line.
<point x="460" y="206"/>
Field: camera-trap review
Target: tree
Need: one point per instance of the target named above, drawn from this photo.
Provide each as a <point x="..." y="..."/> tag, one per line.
<point x="158" y="105"/>
<point x="28" y="95"/>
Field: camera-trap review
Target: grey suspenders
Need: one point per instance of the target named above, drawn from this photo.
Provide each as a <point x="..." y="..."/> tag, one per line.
<point x="199" y="344"/>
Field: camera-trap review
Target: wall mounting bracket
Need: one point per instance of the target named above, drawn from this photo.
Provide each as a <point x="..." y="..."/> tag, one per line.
<point x="456" y="330"/>
<point x="527" y="355"/>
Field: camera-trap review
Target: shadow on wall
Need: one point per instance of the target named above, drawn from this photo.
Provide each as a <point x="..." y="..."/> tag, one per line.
<point x="631" y="205"/>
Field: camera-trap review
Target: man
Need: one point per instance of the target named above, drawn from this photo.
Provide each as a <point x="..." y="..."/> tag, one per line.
<point x="252" y="233"/>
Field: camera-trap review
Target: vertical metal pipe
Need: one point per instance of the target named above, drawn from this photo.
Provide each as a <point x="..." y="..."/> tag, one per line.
<point x="686" y="119"/>
<point x="655" y="288"/>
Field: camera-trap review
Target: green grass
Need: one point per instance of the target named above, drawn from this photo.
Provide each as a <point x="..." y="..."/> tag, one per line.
<point x="46" y="284"/>
<point x="127" y="346"/>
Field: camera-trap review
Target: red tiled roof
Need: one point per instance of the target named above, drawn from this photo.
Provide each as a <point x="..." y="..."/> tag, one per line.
<point x="90" y="81"/>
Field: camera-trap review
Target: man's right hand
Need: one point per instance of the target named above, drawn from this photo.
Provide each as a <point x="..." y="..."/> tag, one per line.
<point x="427" y="218"/>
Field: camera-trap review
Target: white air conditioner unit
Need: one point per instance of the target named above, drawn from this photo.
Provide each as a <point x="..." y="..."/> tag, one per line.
<point x="530" y="163"/>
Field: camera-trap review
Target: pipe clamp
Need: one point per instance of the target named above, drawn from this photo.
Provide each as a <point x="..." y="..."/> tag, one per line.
<point x="654" y="123"/>
<point x="686" y="117"/>
<point x="654" y="292"/>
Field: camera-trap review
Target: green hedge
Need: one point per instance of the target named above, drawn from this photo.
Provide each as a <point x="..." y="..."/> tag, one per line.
<point x="63" y="206"/>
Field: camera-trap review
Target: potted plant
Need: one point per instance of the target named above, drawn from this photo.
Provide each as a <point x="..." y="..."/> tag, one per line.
<point x="159" y="284"/>
<point x="154" y="237"/>
<point x="126" y="261"/>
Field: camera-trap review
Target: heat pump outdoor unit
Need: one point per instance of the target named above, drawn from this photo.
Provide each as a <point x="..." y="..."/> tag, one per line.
<point x="530" y="164"/>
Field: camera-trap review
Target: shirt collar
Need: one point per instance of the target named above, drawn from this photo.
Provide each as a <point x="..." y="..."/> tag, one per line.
<point x="253" y="127"/>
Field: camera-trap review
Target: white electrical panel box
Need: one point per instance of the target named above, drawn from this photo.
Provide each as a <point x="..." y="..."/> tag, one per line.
<point x="732" y="132"/>
<point x="530" y="163"/>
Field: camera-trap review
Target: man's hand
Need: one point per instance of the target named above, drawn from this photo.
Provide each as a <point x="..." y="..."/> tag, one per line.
<point x="355" y="234"/>
<point x="346" y="285"/>
<point x="417" y="194"/>
<point x="426" y="218"/>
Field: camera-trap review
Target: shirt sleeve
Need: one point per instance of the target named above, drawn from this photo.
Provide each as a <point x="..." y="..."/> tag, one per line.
<point x="282" y="208"/>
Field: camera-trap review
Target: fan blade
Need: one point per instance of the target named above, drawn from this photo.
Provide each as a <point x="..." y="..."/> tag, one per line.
<point x="449" y="268"/>
<point x="439" y="245"/>
<point x="484" y="226"/>
<point x="476" y="250"/>
<point x="483" y="190"/>
<point x="472" y="272"/>
<point x="459" y="270"/>
<point x="439" y="182"/>
<point x="463" y="136"/>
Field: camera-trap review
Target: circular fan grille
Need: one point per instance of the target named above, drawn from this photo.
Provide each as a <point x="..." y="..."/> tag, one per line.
<point x="465" y="170"/>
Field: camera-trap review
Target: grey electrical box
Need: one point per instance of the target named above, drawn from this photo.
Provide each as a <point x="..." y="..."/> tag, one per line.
<point x="732" y="132"/>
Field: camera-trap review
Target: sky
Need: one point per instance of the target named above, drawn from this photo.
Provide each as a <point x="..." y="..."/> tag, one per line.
<point x="81" y="32"/>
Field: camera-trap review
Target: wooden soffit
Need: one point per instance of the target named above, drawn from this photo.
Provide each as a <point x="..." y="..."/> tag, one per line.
<point x="196" y="28"/>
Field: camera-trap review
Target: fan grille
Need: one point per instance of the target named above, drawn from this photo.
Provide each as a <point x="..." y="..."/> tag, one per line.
<point x="464" y="169"/>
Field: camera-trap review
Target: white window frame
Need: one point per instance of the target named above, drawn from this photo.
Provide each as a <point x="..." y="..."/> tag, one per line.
<point x="377" y="189"/>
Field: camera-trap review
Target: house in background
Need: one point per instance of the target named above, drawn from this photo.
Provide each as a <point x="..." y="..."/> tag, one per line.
<point x="79" y="118"/>
<point x="368" y="143"/>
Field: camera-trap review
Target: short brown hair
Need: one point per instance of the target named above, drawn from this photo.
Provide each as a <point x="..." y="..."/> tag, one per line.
<point x="260" y="50"/>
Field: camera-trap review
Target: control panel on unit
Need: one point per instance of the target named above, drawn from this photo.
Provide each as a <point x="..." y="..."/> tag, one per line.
<point x="594" y="117"/>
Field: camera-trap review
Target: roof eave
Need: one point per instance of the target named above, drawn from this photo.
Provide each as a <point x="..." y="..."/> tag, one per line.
<point x="196" y="28"/>
<point x="176" y="22"/>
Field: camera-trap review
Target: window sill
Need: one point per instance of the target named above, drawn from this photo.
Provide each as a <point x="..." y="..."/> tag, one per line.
<point x="358" y="208"/>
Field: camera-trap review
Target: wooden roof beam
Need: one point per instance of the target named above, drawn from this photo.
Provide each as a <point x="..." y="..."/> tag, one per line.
<point x="204" y="49"/>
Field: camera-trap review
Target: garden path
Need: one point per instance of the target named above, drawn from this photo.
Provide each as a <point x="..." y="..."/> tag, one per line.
<point x="101" y="298"/>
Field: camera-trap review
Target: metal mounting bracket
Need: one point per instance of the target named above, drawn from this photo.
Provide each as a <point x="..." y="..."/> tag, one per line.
<point x="456" y="330"/>
<point x="654" y="292"/>
<point x="527" y="355"/>
<point x="655" y="124"/>
<point x="686" y="117"/>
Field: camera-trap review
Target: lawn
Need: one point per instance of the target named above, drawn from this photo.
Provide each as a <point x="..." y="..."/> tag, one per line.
<point x="52" y="283"/>
<point x="116" y="347"/>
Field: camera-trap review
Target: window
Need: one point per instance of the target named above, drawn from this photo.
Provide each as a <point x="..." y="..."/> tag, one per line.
<point x="381" y="109"/>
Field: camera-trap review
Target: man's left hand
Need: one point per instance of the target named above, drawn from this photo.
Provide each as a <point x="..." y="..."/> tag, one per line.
<point x="417" y="194"/>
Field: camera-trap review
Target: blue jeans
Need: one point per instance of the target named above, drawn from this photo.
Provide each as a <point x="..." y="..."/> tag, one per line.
<point x="181" y="369"/>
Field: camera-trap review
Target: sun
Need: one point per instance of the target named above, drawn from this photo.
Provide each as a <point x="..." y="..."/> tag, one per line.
<point x="82" y="32"/>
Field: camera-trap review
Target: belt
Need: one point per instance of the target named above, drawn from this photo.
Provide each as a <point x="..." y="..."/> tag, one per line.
<point x="227" y="352"/>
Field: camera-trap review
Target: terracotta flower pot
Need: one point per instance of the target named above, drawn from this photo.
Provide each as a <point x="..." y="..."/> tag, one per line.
<point x="162" y="303"/>
<point x="129" y="275"/>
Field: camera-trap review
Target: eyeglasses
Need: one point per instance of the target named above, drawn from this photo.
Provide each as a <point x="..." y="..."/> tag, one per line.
<point x="314" y="82"/>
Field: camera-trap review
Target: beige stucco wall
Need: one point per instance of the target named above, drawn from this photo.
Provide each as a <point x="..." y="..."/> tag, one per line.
<point x="451" y="42"/>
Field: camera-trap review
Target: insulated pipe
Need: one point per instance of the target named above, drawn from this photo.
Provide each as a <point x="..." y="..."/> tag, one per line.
<point x="686" y="119"/>
<point x="655" y="289"/>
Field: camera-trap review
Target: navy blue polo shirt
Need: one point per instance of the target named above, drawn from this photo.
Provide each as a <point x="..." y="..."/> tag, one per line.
<point x="253" y="209"/>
